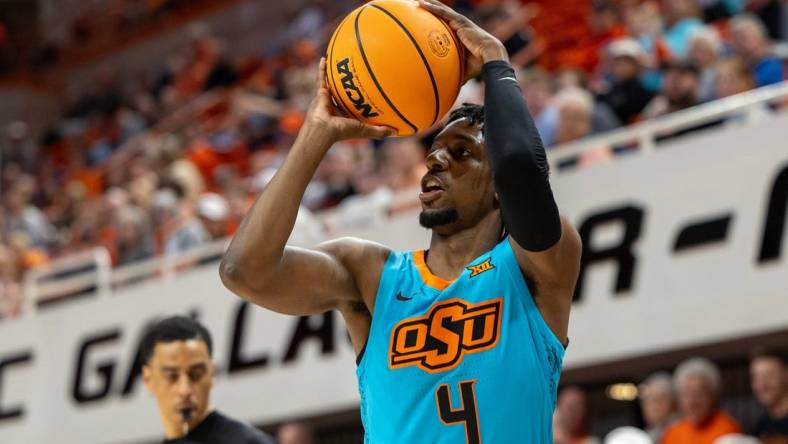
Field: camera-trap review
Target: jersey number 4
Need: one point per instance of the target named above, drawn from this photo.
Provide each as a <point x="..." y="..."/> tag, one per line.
<point x="466" y="414"/>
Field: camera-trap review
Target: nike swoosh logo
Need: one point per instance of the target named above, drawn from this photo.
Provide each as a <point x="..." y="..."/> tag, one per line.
<point x="400" y="297"/>
<point x="509" y="78"/>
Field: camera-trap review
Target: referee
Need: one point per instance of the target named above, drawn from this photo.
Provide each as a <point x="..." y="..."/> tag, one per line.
<point x="178" y="371"/>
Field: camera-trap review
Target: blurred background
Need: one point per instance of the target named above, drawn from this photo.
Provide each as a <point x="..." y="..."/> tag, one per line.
<point x="134" y="135"/>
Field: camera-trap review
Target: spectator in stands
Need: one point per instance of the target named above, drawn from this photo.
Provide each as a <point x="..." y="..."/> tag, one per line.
<point x="769" y="379"/>
<point x="681" y="21"/>
<point x="626" y="95"/>
<point x="680" y="86"/>
<point x="299" y="82"/>
<point x="644" y="24"/>
<point x="658" y="404"/>
<point x="18" y="146"/>
<point x="575" y="121"/>
<point x="571" y="425"/>
<point x="135" y="235"/>
<point x="214" y="213"/>
<point x="23" y="216"/>
<point x="508" y="22"/>
<point x="604" y="25"/>
<point x="705" y="49"/>
<point x="750" y="42"/>
<point x="538" y="90"/>
<point x="27" y="255"/>
<point x="295" y="433"/>
<point x="178" y="370"/>
<point x="732" y="76"/>
<point x="179" y="229"/>
<point x="698" y="383"/>
<point x="575" y="114"/>
<point x="680" y="89"/>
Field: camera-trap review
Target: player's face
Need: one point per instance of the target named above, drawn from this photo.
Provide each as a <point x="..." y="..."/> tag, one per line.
<point x="180" y="377"/>
<point x="457" y="191"/>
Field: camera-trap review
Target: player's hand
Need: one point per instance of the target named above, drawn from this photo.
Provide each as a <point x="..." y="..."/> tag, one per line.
<point x="325" y="118"/>
<point x="481" y="46"/>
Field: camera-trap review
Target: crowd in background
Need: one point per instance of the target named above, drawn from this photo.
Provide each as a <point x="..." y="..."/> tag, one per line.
<point x="686" y="408"/>
<point x="145" y="165"/>
<point x="93" y="27"/>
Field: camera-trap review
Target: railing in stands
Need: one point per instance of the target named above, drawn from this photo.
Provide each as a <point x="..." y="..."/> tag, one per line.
<point x="644" y="135"/>
<point x="91" y="272"/>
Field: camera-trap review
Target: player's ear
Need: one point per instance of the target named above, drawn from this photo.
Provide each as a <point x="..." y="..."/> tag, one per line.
<point x="496" y="201"/>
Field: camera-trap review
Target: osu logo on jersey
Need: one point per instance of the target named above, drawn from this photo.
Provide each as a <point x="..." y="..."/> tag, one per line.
<point x="438" y="341"/>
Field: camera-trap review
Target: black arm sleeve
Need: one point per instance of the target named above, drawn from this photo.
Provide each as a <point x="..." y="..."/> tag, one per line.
<point x="518" y="162"/>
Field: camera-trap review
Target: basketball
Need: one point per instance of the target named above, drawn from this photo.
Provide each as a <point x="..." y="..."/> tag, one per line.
<point x="393" y="63"/>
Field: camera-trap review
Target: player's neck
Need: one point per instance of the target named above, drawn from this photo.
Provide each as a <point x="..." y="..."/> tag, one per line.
<point x="450" y="254"/>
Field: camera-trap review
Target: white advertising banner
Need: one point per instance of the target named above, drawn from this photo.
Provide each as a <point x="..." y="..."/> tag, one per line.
<point x="682" y="246"/>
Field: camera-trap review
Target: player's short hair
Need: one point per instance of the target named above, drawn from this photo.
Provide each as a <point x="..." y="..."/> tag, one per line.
<point x="701" y="367"/>
<point x="171" y="329"/>
<point x="780" y="355"/>
<point x="471" y="111"/>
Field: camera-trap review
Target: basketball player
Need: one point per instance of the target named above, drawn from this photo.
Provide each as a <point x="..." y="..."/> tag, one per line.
<point x="178" y="371"/>
<point x="462" y="342"/>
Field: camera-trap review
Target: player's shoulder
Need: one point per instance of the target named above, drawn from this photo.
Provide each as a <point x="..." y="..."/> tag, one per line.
<point x="363" y="259"/>
<point x="354" y="250"/>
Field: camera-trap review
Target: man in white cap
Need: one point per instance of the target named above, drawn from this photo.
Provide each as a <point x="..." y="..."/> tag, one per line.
<point x="626" y="95"/>
<point x="214" y="212"/>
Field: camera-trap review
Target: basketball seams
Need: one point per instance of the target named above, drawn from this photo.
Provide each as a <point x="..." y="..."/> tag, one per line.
<point x="423" y="59"/>
<point x="460" y="50"/>
<point x="334" y="90"/>
<point x="372" y="74"/>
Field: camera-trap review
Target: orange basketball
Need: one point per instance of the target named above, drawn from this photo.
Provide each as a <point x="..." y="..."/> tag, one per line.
<point x="393" y="63"/>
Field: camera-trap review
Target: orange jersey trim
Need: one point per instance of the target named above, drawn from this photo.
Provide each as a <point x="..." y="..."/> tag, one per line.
<point x="429" y="279"/>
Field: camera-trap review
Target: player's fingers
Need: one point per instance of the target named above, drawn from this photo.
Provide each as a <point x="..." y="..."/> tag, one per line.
<point x="442" y="11"/>
<point x="360" y="130"/>
<point x="378" y="132"/>
<point x="338" y="110"/>
<point x="321" y="74"/>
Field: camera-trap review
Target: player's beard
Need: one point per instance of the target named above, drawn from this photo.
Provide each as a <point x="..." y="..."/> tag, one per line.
<point x="436" y="218"/>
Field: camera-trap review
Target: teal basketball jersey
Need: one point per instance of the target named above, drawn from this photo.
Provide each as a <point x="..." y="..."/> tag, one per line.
<point x="469" y="361"/>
